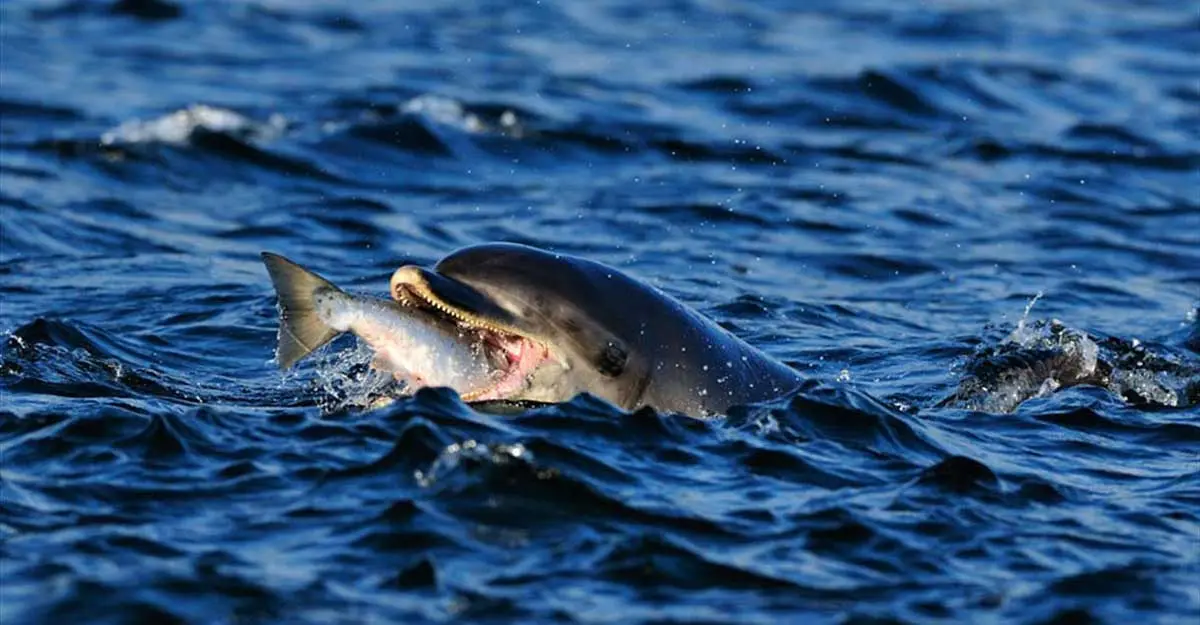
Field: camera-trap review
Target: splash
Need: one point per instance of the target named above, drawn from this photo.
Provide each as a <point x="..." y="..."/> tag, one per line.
<point x="1039" y="358"/>
<point x="345" y="380"/>
<point x="1022" y="333"/>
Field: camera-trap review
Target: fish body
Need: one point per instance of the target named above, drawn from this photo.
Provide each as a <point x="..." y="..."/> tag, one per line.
<point x="419" y="349"/>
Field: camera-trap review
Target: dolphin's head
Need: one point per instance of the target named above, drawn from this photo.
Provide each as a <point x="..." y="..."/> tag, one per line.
<point x="565" y="322"/>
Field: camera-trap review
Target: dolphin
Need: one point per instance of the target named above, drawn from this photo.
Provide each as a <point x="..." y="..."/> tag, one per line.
<point x="570" y="325"/>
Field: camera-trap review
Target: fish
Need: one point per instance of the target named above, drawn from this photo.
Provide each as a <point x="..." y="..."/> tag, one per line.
<point x="417" y="348"/>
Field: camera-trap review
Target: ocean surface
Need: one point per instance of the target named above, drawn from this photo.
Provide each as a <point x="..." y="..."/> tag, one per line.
<point x="974" y="228"/>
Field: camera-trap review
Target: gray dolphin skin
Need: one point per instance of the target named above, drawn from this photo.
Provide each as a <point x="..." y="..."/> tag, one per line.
<point x="594" y="329"/>
<point x="545" y="326"/>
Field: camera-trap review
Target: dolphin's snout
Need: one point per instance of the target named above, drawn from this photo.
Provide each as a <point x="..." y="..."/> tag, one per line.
<point x="405" y="277"/>
<point x="413" y="284"/>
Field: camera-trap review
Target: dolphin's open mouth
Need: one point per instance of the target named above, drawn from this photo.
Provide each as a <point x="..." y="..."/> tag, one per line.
<point x="514" y="354"/>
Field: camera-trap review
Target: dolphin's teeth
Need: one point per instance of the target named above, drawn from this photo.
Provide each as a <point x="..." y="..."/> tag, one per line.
<point x="509" y="342"/>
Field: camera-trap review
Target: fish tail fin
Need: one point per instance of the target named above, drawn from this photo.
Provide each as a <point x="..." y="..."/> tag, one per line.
<point x="301" y="329"/>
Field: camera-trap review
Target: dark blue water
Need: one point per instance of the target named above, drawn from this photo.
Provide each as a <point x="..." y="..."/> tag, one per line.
<point x="873" y="192"/>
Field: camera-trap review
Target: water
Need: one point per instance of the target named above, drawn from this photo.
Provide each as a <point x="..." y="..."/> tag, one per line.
<point x="872" y="192"/>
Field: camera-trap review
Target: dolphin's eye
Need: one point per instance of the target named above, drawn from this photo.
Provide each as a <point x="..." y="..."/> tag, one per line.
<point x="612" y="360"/>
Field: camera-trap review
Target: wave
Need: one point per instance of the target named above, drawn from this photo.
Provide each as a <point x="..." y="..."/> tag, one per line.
<point x="181" y="126"/>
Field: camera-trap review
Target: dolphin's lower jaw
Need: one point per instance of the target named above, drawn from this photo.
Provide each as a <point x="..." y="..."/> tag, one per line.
<point x="524" y="357"/>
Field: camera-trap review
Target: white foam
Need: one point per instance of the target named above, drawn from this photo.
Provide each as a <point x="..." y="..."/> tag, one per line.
<point x="177" y="128"/>
<point x="449" y="112"/>
<point x="443" y="110"/>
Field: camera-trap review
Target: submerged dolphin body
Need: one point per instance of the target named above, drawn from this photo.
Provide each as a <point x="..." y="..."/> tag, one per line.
<point x="554" y="326"/>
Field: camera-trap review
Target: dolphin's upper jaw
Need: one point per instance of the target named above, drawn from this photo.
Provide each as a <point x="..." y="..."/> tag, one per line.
<point x="514" y="354"/>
